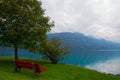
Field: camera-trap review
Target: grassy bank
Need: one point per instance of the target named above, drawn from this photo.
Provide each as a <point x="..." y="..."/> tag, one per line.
<point x="53" y="72"/>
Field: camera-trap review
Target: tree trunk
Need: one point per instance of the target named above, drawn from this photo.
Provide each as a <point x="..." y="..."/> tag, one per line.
<point x="16" y="53"/>
<point x="16" y="58"/>
<point x="53" y="61"/>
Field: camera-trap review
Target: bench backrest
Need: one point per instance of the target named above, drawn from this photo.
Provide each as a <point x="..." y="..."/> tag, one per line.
<point x="29" y="65"/>
<point x="26" y="64"/>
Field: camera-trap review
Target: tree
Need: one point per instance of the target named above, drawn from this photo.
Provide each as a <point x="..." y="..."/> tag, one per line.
<point x="23" y="24"/>
<point x="54" y="51"/>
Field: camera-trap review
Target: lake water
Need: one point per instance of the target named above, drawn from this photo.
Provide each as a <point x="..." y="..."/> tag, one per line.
<point x="107" y="61"/>
<point x="90" y="57"/>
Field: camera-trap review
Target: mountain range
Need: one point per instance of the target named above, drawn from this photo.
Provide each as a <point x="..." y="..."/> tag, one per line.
<point x="78" y="41"/>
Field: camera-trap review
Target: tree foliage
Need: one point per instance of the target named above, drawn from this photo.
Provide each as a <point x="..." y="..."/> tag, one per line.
<point x="54" y="51"/>
<point x="23" y="24"/>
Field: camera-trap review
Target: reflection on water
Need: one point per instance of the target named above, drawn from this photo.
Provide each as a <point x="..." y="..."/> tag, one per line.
<point x="109" y="66"/>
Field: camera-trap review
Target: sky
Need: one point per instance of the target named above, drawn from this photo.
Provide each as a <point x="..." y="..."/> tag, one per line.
<point x="96" y="18"/>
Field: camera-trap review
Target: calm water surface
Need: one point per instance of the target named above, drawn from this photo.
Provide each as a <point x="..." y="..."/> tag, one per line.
<point x="83" y="57"/>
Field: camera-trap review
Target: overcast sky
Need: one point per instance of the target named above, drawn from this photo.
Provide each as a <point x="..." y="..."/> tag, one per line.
<point x="98" y="18"/>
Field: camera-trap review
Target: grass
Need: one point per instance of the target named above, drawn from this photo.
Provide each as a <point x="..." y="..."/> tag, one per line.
<point x="53" y="72"/>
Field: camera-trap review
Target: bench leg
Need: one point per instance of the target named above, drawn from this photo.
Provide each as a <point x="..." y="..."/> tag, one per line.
<point x="37" y="73"/>
<point x="17" y="69"/>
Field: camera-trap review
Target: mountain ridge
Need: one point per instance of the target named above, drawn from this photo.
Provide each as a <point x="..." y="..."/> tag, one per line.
<point x="79" y="41"/>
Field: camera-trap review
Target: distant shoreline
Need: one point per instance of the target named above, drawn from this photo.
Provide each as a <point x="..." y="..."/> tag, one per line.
<point x="108" y="50"/>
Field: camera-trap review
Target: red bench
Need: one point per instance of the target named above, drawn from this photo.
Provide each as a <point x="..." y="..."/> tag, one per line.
<point x="29" y="65"/>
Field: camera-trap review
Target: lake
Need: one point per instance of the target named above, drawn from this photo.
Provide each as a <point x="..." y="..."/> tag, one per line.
<point x="84" y="58"/>
<point x="107" y="61"/>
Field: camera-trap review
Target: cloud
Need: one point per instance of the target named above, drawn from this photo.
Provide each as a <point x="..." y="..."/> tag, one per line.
<point x="109" y="66"/>
<point x="97" y="18"/>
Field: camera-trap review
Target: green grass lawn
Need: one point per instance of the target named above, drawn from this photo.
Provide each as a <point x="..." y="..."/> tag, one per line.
<point x="53" y="72"/>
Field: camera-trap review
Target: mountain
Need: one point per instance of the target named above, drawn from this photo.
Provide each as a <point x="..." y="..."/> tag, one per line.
<point x="75" y="41"/>
<point x="78" y="41"/>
